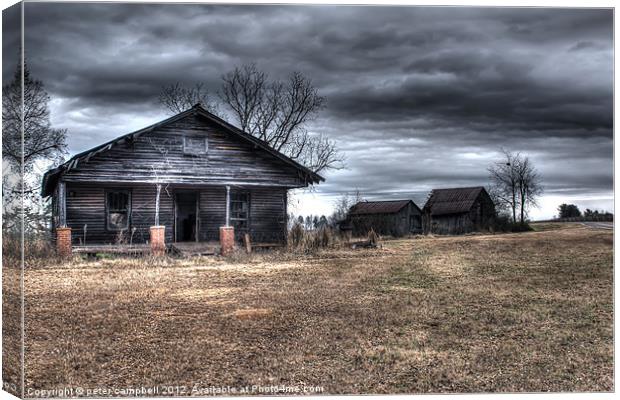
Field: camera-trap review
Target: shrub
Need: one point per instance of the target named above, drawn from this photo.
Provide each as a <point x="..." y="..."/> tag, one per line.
<point x="502" y="223"/>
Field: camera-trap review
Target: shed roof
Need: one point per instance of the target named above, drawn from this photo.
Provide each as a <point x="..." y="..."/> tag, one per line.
<point x="50" y="178"/>
<point x="452" y="200"/>
<point x="380" y="207"/>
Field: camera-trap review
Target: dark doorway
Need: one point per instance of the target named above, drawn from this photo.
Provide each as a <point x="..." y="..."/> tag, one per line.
<point x="186" y="205"/>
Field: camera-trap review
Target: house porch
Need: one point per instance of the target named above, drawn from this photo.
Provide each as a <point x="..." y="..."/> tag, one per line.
<point x="119" y="217"/>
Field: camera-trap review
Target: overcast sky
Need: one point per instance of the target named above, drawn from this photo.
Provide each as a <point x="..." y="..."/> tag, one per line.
<point x="417" y="97"/>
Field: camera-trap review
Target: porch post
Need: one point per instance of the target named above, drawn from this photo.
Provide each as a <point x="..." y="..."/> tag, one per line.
<point x="62" y="205"/>
<point x="63" y="233"/>
<point x="157" y="195"/>
<point x="227" y="205"/>
<point x="227" y="233"/>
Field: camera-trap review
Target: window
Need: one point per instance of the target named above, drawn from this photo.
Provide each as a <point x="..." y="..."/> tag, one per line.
<point x="195" y="145"/>
<point x="117" y="210"/>
<point x="239" y="210"/>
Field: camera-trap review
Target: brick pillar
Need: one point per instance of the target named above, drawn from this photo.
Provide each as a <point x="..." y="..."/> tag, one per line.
<point x="158" y="240"/>
<point x="227" y="239"/>
<point x="63" y="242"/>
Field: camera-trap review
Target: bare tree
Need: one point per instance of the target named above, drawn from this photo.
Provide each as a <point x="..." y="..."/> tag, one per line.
<point x="250" y="97"/>
<point x="278" y="113"/>
<point x="40" y="140"/>
<point x="343" y="205"/>
<point x="529" y="184"/>
<point x="341" y="209"/>
<point x="274" y="111"/>
<point x="178" y="98"/>
<point x="504" y="190"/>
<point x="24" y="155"/>
<point x="515" y="184"/>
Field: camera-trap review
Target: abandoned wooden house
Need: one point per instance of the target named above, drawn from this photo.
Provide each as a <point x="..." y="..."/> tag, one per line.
<point x="458" y="210"/>
<point x="192" y="177"/>
<point x="395" y="218"/>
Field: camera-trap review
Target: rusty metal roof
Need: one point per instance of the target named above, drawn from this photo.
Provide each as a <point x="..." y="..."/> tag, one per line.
<point x="453" y="200"/>
<point x="379" y="207"/>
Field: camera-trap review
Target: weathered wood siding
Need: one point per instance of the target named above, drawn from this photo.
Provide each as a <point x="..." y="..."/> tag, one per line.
<point x="143" y="211"/>
<point x="267" y="219"/>
<point x="479" y="217"/>
<point x="395" y="224"/>
<point x="452" y="224"/>
<point x="159" y="155"/>
<point x="86" y="209"/>
<point x="268" y="216"/>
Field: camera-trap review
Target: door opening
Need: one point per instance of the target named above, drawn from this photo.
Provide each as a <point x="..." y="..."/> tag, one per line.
<point x="186" y="217"/>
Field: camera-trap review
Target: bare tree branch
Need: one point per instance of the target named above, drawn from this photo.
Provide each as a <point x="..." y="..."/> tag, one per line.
<point x="278" y="113"/>
<point x="177" y="98"/>
<point x="274" y="111"/>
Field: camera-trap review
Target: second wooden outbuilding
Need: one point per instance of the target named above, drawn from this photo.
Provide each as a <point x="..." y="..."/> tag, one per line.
<point x="456" y="211"/>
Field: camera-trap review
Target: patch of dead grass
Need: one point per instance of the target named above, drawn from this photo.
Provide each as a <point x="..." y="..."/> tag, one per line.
<point x="484" y="313"/>
<point x="252" y="313"/>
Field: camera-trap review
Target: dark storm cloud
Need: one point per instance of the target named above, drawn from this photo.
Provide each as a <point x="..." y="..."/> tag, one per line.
<point x="11" y="40"/>
<point x="417" y="97"/>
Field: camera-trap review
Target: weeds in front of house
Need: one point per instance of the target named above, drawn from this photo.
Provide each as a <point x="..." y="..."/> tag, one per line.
<point x="37" y="250"/>
<point x="306" y="241"/>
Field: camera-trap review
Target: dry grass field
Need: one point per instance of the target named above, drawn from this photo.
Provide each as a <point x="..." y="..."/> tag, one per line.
<point x="497" y="313"/>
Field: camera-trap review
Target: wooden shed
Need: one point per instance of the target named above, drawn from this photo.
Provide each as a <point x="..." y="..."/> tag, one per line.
<point x="209" y="174"/>
<point x="456" y="211"/>
<point x="395" y="218"/>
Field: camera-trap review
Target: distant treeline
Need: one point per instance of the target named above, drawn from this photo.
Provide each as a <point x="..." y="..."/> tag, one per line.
<point x="572" y="213"/>
<point x="606" y="217"/>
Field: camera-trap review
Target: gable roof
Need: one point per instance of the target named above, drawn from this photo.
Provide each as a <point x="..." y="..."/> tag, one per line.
<point x="380" y="207"/>
<point x="453" y="200"/>
<point x="52" y="176"/>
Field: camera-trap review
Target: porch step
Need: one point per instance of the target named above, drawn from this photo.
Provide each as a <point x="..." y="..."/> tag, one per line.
<point x="113" y="249"/>
<point x="267" y="246"/>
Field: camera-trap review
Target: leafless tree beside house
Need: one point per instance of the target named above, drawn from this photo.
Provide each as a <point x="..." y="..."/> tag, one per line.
<point x="24" y="152"/>
<point x="277" y="112"/>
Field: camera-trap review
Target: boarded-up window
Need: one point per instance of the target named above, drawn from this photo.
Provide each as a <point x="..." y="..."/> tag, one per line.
<point x="117" y="209"/>
<point x="239" y="210"/>
<point x="195" y="145"/>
